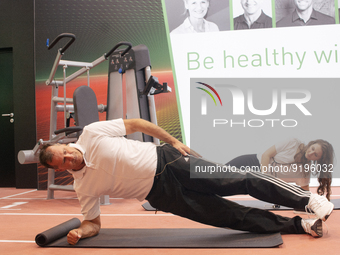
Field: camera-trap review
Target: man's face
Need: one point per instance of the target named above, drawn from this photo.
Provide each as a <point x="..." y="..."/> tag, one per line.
<point x="303" y="5"/>
<point x="65" y="157"/>
<point x="251" y="6"/>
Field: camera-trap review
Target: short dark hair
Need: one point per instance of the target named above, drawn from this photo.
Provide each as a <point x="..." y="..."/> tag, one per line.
<point x="46" y="156"/>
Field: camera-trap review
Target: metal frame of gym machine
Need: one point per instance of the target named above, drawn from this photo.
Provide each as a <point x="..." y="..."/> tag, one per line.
<point x="141" y="87"/>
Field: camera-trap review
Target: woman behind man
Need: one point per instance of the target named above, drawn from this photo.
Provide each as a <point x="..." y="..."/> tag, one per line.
<point x="195" y="22"/>
<point x="293" y="161"/>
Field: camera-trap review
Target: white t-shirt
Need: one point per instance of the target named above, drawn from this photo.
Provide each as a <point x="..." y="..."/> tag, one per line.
<point x="115" y="166"/>
<point x="187" y="28"/>
<point x="283" y="163"/>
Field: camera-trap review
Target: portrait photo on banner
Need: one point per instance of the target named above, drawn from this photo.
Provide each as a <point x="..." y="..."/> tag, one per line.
<point x="291" y="13"/>
<point x="192" y="16"/>
<point x="252" y="14"/>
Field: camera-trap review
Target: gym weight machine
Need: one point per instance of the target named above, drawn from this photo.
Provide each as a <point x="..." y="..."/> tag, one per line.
<point x="141" y="86"/>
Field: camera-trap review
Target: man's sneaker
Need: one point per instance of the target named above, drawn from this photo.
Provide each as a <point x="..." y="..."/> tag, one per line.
<point x="312" y="227"/>
<point x="320" y="206"/>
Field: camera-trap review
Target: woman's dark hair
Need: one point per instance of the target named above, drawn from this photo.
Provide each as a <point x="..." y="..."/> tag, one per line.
<point x="326" y="162"/>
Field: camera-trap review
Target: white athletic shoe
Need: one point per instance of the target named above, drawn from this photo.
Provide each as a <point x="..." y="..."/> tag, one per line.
<point x="320" y="206"/>
<point x="312" y="227"/>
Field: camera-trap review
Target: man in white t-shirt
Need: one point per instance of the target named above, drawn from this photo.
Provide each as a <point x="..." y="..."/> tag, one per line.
<point x="104" y="162"/>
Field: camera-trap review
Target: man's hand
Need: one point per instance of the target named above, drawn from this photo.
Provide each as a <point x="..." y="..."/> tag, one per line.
<point x="73" y="236"/>
<point x="87" y="229"/>
<point x="185" y="150"/>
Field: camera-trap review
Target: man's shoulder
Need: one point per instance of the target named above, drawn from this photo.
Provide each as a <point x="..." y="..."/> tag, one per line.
<point x="265" y="17"/>
<point x="323" y="18"/>
<point x="285" y="21"/>
<point x="264" y="20"/>
<point x="239" y="18"/>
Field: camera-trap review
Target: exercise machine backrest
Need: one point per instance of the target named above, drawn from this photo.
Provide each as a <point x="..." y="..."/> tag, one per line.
<point x="85" y="106"/>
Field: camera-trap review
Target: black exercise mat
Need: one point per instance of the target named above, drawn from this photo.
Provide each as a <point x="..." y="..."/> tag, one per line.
<point x="256" y="204"/>
<point x="174" y="238"/>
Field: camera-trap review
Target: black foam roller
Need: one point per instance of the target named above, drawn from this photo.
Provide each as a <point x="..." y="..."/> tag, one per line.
<point x="56" y="232"/>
